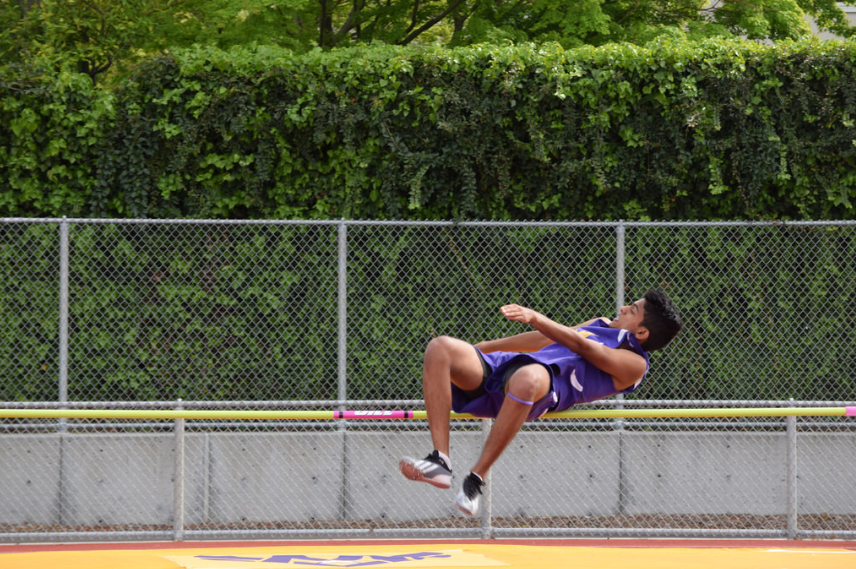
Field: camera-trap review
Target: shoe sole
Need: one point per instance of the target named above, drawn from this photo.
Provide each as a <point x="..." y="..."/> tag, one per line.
<point x="409" y="470"/>
<point x="466" y="512"/>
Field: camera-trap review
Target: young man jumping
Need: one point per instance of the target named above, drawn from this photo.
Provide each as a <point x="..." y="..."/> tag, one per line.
<point x="521" y="377"/>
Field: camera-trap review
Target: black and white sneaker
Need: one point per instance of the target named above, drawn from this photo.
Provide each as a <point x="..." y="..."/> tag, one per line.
<point x="468" y="498"/>
<point x="431" y="469"/>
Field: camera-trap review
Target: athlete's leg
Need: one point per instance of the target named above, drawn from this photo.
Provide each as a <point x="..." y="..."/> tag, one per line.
<point x="526" y="386"/>
<point x="447" y="360"/>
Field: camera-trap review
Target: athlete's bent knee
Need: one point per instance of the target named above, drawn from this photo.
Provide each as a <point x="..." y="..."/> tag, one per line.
<point x="439" y="347"/>
<point x="528" y="384"/>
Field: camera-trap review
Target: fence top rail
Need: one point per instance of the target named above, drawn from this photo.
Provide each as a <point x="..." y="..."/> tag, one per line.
<point x="439" y="223"/>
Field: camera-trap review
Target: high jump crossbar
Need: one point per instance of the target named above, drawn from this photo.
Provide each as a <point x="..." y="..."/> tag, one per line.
<point x="407" y="414"/>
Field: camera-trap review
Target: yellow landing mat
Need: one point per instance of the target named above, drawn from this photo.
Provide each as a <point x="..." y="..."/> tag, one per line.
<point x="439" y="555"/>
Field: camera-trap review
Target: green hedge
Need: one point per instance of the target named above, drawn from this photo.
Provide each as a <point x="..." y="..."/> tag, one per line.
<point x="675" y="131"/>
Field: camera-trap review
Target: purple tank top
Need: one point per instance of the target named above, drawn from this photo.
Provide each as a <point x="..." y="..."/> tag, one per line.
<point x="577" y="381"/>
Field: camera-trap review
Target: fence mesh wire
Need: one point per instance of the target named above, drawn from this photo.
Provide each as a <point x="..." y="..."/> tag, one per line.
<point x="265" y="315"/>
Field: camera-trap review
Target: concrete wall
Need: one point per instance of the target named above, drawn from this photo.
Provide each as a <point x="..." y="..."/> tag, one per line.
<point x="29" y="478"/>
<point x="104" y="479"/>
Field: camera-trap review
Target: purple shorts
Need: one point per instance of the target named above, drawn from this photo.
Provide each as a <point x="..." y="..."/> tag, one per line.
<point x="487" y="399"/>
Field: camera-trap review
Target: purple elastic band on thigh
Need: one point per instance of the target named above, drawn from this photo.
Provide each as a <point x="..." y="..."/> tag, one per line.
<point x="530" y="403"/>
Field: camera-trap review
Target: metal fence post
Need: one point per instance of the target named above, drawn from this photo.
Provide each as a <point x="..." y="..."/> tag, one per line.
<point x="178" y="479"/>
<point x="619" y="265"/>
<point x="343" y="312"/>
<point x="791" y="422"/>
<point x="487" y="505"/>
<point x="619" y="302"/>
<point x="63" y="315"/>
<point x="343" y="355"/>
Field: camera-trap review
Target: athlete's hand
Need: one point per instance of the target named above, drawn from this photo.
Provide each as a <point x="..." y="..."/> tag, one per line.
<point x="518" y="313"/>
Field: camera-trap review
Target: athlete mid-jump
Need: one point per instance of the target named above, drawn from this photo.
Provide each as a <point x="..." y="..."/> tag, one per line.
<point x="521" y="377"/>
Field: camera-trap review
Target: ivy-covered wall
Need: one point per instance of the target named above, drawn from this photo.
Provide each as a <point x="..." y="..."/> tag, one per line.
<point x="675" y="131"/>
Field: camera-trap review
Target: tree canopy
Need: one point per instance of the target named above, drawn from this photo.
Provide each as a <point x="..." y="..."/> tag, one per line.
<point x="102" y="37"/>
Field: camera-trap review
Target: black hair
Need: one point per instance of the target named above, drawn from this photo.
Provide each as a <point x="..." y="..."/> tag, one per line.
<point x="661" y="319"/>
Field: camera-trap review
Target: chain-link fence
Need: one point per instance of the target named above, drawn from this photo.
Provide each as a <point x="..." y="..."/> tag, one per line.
<point x="292" y="315"/>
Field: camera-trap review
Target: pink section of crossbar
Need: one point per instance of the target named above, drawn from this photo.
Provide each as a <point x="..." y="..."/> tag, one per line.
<point x="850" y="411"/>
<point x="373" y="414"/>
